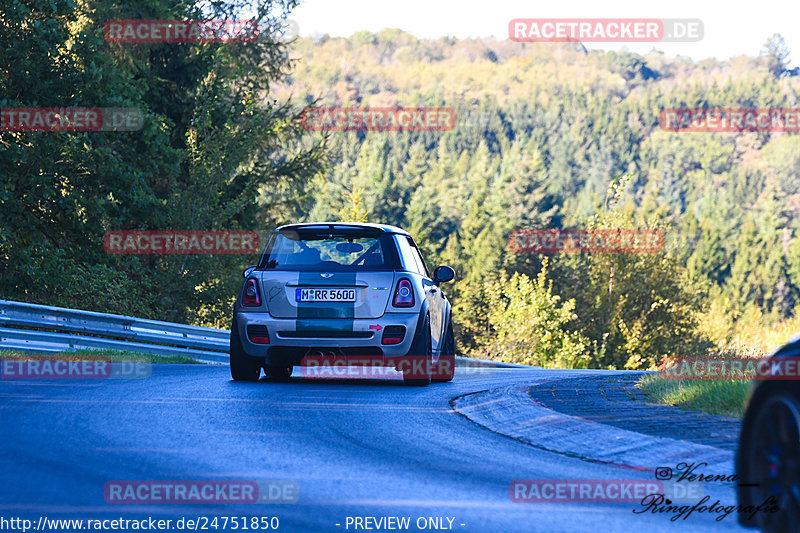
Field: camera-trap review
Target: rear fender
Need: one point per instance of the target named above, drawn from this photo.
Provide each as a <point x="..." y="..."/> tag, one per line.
<point x="418" y="346"/>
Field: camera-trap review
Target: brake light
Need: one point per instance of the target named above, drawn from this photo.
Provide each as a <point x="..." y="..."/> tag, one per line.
<point x="403" y="294"/>
<point x="251" y="297"/>
<point x="258" y="334"/>
<point x="393" y="334"/>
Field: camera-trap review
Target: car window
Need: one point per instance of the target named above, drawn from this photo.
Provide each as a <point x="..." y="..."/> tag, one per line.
<point x="423" y="268"/>
<point x="406" y="253"/>
<point x="299" y="251"/>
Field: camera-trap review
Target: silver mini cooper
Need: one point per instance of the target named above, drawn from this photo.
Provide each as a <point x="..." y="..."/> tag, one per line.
<point x="333" y="291"/>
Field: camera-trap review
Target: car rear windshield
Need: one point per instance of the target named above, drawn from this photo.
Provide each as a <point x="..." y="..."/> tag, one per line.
<point x="340" y="251"/>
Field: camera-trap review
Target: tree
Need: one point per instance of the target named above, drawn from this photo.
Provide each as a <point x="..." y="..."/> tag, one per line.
<point x="776" y="53"/>
<point x="215" y="152"/>
<point x="353" y="209"/>
<point x="528" y="323"/>
<point x="635" y="308"/>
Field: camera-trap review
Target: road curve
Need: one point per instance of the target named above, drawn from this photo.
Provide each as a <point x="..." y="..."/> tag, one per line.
<point x="354" y="448"/>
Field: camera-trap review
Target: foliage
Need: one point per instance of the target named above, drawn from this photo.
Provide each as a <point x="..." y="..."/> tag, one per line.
<point x="528" y="323"/>
<point x="717" y="397"/>
<point x="541" y="130"/>
<point x="638" y="307"/>
<point x="215" y="153"/>
<point x="353" y="209"/>
<point x="777" y="55"/>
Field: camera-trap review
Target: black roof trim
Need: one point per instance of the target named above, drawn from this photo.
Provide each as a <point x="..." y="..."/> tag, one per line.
<point x="343" y="226"/>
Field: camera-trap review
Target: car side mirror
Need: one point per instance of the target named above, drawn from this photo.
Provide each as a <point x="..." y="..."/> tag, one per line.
<point x="443" y="274"/>
<point x="248" y="271"/>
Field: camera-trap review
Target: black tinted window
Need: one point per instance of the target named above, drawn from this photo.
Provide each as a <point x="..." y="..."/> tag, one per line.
<point x="423" y="268"/>
<point x="292" y="250"/>
<point x="411" y="257"/>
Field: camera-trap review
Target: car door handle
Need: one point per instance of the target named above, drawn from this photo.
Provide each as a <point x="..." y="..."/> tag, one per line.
<point x="432" y="290"/>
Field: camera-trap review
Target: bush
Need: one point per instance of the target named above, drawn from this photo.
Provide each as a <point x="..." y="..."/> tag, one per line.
<point x="528" y="323"/>
<point x="637" y="307"/>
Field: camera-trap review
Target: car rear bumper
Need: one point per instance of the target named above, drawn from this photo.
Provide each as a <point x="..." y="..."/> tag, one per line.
<point x="291" y="339"/>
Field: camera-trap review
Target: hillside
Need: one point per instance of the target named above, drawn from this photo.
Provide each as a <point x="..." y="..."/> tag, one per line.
<point x="541" y="132"/>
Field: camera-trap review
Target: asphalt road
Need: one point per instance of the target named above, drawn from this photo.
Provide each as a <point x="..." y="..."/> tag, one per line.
<point x="353" y="448"/>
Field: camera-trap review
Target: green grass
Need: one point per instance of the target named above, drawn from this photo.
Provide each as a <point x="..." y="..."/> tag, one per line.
<point x="718" y="397"/>
<point x="115" y="356"/>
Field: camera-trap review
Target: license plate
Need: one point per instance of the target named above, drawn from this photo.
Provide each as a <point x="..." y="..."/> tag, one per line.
<point x="331" y="294"/>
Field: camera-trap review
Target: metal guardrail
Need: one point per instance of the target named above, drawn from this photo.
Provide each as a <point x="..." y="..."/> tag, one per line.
<point x="70" y="330"/>
<point x="75" y="329"/>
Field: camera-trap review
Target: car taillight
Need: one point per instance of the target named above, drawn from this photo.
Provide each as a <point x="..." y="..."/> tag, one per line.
<point x="393" y="334"/>
<point x="403" y="294"/>
<point x="251" y="296"/>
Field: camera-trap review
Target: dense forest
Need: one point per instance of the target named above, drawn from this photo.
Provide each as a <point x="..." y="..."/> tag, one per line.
<point x="547" y="136"/>
<point x="554" y="136"/>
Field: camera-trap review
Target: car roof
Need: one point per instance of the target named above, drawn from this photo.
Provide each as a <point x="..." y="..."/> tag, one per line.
<point x="344" y="225"/>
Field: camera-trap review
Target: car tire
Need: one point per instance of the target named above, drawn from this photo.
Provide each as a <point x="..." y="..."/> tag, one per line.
<point x="422" y="347"/>
<point x="445" y="369"/>
<point x="770" y="458"/>
<point x="279" y="372"/>
<point x="243" y="368"/>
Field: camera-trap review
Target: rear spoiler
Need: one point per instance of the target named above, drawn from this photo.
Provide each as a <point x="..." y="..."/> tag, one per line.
<point x="336" y="229"/>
